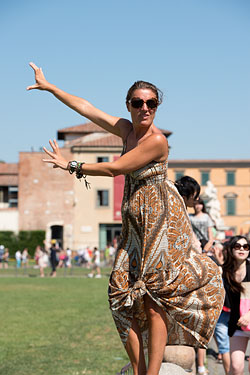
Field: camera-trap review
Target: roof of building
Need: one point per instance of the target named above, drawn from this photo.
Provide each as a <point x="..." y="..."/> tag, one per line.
<point x="87" y="128"/>
<point x="8" y="168"/>
<point x="8" y="174"/>
<point x="96" y="139"/>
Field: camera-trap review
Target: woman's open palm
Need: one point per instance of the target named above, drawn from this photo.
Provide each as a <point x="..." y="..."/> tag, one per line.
<point x="56" y="157"/>
<point x="41" y="82"/>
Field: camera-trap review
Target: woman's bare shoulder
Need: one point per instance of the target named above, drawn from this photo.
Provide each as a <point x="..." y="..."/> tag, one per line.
<point x="125" y="127"/>
<point x="158" y="138"/>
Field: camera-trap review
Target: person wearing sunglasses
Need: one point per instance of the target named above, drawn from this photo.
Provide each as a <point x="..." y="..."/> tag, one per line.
<point x="236" y="270"/>
<point x="160" y="290"/>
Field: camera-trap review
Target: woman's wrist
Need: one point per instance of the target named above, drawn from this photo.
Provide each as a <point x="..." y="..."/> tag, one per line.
<point x="51" y="88"/>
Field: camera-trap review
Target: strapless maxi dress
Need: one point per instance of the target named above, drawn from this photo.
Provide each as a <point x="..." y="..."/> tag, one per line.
<point x="155" y="257"/>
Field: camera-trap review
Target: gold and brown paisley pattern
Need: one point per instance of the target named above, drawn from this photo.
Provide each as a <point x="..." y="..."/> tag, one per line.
<point x="155" y="256"/>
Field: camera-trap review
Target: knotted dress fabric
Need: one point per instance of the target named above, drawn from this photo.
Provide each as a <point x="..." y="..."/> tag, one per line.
<point x="155" y="257"/>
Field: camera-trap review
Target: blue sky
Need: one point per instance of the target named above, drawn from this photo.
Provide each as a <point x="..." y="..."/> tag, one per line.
<point x="196" y="51"/>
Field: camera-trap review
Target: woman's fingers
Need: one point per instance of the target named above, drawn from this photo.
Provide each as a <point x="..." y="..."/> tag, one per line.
<point x="56" y="157"/>
<point x="49" y="152"/>
<point x="32" y="87"/>
<point x="53" y="146"/>
<point x="56" y="145"/>
<point x="49" y="161"/>
<point x="33" y="66"/>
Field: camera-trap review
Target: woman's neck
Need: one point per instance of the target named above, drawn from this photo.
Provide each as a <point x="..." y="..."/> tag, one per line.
<point x="240" y="273"/>
<point x="199" y="213"/>
<point x="141" y="133"/>
<point x="241" y="264"/>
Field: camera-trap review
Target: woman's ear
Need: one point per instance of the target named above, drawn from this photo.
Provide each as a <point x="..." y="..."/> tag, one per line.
<point x="128" y="106"/>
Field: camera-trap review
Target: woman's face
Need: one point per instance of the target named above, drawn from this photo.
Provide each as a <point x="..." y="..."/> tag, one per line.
<point x="198" y="207"/>
<point x="241" y="253"/>
<point x="144" y="115"/>
<point x="190" y="202"/>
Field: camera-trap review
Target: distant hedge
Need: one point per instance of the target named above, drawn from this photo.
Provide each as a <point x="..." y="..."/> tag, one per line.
<point x="29" y="239"/>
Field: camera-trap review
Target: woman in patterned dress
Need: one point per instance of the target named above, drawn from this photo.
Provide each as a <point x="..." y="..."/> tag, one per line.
<point x="161" y="290"/>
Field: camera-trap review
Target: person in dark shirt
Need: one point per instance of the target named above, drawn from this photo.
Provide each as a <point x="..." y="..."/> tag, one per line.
<point x="53" y="258"/>
<point x="236" y="271"/>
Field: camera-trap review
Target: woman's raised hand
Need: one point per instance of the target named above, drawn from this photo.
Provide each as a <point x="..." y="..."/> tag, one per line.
<point x="41" y="82"/>
<point x="56" y="157"/>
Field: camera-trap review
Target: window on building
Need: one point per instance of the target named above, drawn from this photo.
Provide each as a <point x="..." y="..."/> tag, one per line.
<point x="9" y="196"/>
<point x="205" y="177"/>
<point x="13" y="196"/>
<point x="230" y="178"/>
<point x="4" y="194"/>
<point x="102" y="198"/>
<point x="230" y="204"/>
<point x="178" y="175"/>
<point x="102" y="159"/>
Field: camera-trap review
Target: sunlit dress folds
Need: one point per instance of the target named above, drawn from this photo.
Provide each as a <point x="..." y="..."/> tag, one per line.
<point x="155" y="257"/>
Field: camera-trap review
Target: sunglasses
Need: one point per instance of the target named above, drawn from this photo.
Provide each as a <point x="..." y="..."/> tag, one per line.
<point x="238" y="246"/>
<point x="138" y="103"/>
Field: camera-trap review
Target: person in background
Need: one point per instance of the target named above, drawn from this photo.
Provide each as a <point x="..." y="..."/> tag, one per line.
<point x="221" y="328"/>
<point x="96" y="264"/>
<point x="1" y="256"/>
<point x="236" y="270"/>
<point x="111" y="254"/>
<point x="25" y="258"/>
<point x="18" y="257"/>
<point x="43" y="259"/>
<point x="202" y="225"/>
<point x="6" y="258"/>
<point x="54" y="250"/>
<point x="68" y="258"/>
<point x="106" y="254"/>
<point x="189" y="189"/>
<point x="62" y="259"/>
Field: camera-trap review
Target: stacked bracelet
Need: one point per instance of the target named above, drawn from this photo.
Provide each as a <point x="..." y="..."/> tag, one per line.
<point x="75" y="166"/>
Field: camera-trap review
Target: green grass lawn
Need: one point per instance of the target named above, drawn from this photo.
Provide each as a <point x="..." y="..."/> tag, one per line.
<point x="60" y="326"/>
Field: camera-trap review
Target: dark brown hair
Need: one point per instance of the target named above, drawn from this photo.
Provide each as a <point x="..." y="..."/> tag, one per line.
<point x="187" y="186"/>
<point x="144" y="85"/>
<point x="230" y="266"/>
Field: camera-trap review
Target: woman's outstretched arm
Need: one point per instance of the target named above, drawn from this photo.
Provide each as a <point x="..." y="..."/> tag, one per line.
<point x="155" y="147"/>
<point x="112" y="124"/>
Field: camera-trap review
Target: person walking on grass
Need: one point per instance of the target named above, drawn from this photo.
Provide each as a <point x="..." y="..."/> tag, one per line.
<point x="96" y="267"/>
<point x="160" y="290"/>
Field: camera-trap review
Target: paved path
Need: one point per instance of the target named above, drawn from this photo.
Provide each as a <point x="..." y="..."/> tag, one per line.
<point x="213" y="366"/>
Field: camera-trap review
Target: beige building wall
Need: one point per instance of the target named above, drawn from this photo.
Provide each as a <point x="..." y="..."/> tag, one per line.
<point x="240" y="222"/>
<point x="87" y="215"/>
<point x="9" y="219"/>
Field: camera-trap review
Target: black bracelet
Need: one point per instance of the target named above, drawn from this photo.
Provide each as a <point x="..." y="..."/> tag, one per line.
<point x="79" y="174"/>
